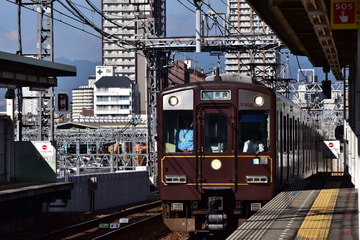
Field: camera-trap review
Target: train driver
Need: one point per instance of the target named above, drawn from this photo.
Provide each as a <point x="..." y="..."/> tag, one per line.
<point x="254" y="144"/>
<point x="185" y="137"/>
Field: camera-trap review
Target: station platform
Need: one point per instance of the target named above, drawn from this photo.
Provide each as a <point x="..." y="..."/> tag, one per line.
<point x="11" y="191"/>
<point x="321" y="207"/>
<point x="21" y="203"/>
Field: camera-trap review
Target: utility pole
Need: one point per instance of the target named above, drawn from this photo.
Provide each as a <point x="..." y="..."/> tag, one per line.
<point x="39" y="119"/>
<point x="45" y="51"/>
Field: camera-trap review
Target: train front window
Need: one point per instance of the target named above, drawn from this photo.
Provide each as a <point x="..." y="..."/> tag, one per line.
<point x="178" y="131"/>
<point x="215" y="132"/>
<point x="254" y="131"/>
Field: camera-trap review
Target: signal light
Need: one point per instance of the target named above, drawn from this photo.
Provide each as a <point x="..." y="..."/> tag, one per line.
<point x="326" y="87"/>
<point x="339" y="132"/>
<point x="62" y="103"/>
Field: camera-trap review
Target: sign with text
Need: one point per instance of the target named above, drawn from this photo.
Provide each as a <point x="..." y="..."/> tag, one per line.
<point x="344" y="14"/>
<point x="47" y="151"/>
<point x="334" y="147"/>
<point x="102" y="71"/>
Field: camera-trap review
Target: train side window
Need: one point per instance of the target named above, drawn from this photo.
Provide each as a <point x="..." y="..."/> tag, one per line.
<point x="215" y="132"/>
<point x="172" y="124"/>
<point x="254" y="127"/>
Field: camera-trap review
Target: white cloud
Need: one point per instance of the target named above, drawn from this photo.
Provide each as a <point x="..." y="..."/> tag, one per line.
<point x="8" y="41"/>
<point x="11" y="36"/>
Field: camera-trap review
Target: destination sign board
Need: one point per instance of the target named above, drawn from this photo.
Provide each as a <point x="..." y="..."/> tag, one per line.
<point x="218" y="95"/>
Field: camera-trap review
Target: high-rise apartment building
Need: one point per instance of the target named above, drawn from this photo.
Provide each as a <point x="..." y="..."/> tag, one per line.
<point x="127" y="21"/>
<point x="252" y="32"/>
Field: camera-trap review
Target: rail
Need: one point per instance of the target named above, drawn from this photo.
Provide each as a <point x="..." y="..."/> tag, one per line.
<point x="90" y="229"/>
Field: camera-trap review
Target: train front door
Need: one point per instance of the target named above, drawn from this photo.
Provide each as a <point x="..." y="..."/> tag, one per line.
<point x="216" y="158"/>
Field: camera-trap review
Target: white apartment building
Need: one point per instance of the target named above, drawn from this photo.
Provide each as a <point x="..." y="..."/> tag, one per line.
<point x="253" y="32"/>
<point x="113" y="97"/>
<point x="109" y="96"/>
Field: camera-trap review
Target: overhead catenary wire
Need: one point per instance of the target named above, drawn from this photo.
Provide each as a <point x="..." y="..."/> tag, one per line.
<point x="85" y="19"/>
<point x="60" y="20"/>
<point x="75" y="14"/>
<point x="93" y="6"/>
<point x="239" y="35"/>
<point x="74" y="10"/>
<point x="111" y="37"/>
<point x="78" y="17"/>
<point x="211" y="15"/>
<point x="191" y="10"/>
<point x="223" y="19"/>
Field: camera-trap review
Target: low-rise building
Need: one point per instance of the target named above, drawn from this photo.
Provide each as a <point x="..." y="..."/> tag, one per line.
<point x="115" y="97"/>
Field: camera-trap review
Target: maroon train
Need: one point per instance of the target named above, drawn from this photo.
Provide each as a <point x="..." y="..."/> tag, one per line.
<point x="219" y="181"/>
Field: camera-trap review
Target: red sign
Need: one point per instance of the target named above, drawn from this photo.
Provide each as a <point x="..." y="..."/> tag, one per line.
<point x="344" y="14"/>
<point x="331" y="145"/>
<point x="44" y="147"/>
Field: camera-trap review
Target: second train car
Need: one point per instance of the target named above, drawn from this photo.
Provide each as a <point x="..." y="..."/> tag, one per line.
<point x="209" y="176"/>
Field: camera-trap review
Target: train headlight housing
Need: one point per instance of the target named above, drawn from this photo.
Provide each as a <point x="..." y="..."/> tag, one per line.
<point x="257" y="179"/>
<point x="175" y="179"/>
<point x="216" y="164"/>
<point x="259" y="101"/>
<point x="173" y="100"/>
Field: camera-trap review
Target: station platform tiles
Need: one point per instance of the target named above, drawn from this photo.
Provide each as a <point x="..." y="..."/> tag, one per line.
<point x="321" y="207"/>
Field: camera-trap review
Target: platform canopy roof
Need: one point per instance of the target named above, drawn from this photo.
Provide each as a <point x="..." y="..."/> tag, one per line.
<point x="19" y="71"/>
<point x="305" y="26"/>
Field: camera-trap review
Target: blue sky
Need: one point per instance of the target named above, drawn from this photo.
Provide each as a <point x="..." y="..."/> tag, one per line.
<point x="75" y="44"/>
<point x="69" y="42"/>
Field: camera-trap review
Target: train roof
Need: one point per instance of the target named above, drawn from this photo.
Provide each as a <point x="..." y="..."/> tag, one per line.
<point x="230" y="77"/>
<point x="244" y="81"/>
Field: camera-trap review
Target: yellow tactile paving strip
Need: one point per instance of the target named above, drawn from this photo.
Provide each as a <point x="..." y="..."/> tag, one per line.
<point x="316" y="224"/>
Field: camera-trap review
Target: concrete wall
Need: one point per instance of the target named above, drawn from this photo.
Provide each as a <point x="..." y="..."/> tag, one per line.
<point x="106" y="190"/>
<point x="30" y="165"/>
<point x="6" y="149"/>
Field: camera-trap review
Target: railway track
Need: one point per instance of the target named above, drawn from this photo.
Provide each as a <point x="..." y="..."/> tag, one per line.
<point x="144" y="222"/>
<point x="149" y="228"/>
<point x="121" y="225"/>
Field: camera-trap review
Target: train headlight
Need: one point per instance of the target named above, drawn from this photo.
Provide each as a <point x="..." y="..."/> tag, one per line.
<point x="216" y="164"/>
<point x="173" y="100"/>
<point x="259" y="101"/>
